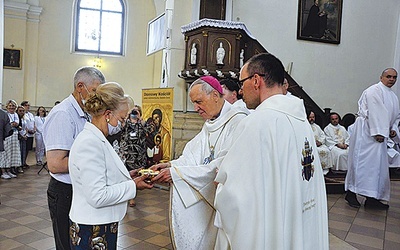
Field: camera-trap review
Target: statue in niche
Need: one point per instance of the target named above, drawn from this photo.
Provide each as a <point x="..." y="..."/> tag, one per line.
<point x="241" y="57"/>
<point x="193" y="54"/>
<point x="220" y="54"/>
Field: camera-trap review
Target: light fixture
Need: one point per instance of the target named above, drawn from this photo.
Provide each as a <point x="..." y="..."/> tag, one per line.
<point x="97" y="62"/>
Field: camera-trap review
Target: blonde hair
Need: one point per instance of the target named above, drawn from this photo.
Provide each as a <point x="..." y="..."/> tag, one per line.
<point x="12" y="102"/>
<point x="108" y="96"/>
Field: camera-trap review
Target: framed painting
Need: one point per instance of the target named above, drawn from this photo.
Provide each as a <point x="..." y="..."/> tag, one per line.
<point x="320" y="20"/>
<point x="12" y="59"/>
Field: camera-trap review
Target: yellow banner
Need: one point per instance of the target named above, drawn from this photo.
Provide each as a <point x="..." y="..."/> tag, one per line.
<point x="157" y="106"/>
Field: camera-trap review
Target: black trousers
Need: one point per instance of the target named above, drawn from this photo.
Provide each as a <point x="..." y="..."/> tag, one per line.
<point x="28" y="147"/>
<point x="59" y="197"/>
<point x="29" y="144"/>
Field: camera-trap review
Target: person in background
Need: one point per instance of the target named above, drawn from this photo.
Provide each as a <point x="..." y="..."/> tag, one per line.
<point x="271" y="190"/>
<point x="30" y="128"/>
<point x="11" y="144"/>
<point x="39" y="124"/>
<point x="337" y="139"/>
<point x="368" y="173"/>
<point x="5" y="131"/>
<point x="320" y="139"/>
<point x="22" y="136"/>
<point x="61" y="127"/>
<point x="232" y="93"/>
<point x="132" y="145"/>
<point x="101" y="183"/>
<point x="193" y="173"/>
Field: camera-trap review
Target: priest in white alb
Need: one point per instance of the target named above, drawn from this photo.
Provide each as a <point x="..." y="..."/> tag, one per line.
<point x="368" y="173"/>
<point x="271" y="191"/>
<point x="193" y="173"/>
<point x="337" y="139"/>
<point x="320" y="139"/>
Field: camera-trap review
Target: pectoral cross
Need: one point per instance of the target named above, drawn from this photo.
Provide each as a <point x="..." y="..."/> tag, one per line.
<point x="210" y="157"/>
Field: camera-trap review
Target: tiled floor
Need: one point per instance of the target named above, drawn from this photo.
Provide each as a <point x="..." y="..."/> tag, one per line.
<point x="25" y="221"/>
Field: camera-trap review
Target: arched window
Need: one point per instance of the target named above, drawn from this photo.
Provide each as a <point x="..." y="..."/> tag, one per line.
<point x="100" y="26"/>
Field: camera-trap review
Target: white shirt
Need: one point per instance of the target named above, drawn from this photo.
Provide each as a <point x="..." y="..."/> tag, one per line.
<point x="30" y="122"/>
<point x="63" y="124"/>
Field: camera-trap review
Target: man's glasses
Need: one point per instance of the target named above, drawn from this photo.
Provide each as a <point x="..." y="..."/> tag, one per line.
<point x="240" y="82"/>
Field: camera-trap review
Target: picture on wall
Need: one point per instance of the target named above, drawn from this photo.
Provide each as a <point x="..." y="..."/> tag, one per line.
<point x="156" y="34"/>
<point x="12" y="59"/>
<point x="319" y="20"/>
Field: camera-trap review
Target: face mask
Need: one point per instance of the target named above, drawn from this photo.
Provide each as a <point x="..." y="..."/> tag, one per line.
<point x="112" y="130"/>
<point x="83" y="100"/>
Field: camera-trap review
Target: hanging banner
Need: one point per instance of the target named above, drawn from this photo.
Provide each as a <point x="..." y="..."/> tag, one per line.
<point x="157" y="107"/>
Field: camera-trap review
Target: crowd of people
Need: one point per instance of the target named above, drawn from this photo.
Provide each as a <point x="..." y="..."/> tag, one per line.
<point x="20" y="129"/>
<point x="366" y="149"/>
<point x="332" y="143"/>
<point x="252" y="178"/>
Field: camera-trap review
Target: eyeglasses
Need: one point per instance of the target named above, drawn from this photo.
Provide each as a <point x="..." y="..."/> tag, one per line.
<point x="240" y="82"/>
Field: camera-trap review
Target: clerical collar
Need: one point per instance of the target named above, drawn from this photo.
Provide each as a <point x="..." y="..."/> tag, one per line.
<point x="212" y="119"/>
<point x="225" y="108"/>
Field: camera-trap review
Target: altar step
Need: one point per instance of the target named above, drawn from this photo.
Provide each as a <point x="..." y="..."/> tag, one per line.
<point x="334" y="182"/>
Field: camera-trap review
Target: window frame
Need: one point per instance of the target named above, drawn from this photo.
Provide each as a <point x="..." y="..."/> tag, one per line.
<point x="75" y="32"/>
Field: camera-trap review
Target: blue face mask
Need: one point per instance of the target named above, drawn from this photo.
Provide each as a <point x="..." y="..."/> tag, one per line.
<point x="112" y="130"/>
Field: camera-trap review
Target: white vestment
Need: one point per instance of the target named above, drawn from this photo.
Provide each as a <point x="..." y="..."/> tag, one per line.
<point x="323" y="151"/>
<point x="337" y="134"/>
<point x="368" y="172"/>
<point x="241" y="105"/>
<point x="271" y="191"/>
<point x="393" y="154"/>
<point x="192" y="218"/>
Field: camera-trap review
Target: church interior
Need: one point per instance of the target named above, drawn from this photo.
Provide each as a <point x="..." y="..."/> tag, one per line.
<point x="157" y="38"/>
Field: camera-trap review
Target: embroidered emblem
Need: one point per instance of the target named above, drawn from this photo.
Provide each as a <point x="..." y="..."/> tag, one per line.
<point x="306" y="162"/>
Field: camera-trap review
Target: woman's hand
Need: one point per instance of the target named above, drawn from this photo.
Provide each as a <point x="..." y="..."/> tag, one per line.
<point x="141" y="183"/>
<point x="134" y="173"/>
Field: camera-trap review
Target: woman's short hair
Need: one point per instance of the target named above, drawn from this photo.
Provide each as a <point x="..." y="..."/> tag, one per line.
<point x="108" y="96"/>
<point x="12" y="102"/>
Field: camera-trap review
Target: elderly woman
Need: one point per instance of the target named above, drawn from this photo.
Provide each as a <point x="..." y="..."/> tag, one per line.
<point x="101" y="184"/>
<point x="11" y="144"/>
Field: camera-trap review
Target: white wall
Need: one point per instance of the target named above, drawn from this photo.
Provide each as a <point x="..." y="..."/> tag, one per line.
<point x="333" y="75"/>
<point x="49" y="65"/>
